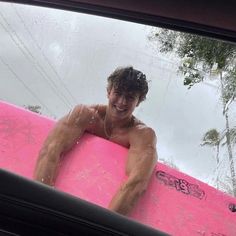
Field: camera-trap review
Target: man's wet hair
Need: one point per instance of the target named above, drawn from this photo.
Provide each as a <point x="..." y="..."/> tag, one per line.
<point x="127" y="79"/>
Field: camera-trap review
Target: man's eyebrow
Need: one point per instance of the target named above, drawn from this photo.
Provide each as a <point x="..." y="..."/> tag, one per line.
<point x="132" y="94"/>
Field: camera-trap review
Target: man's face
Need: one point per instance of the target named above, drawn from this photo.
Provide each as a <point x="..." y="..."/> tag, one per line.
<point x="122" y="104"/>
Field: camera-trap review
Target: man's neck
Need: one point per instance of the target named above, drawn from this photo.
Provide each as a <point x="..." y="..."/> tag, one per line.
<point x="118" y="123"/>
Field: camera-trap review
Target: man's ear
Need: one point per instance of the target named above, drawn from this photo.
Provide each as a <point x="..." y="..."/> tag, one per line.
<point x="139" y="101"/>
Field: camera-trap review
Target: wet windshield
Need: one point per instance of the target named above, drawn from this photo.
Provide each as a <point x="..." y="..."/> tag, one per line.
<point x="51" y="60"/>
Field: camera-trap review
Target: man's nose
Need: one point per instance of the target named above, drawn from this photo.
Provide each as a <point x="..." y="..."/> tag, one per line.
<point x="122" y="100"/>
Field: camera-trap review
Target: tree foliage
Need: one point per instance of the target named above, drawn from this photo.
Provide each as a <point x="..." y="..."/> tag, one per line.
<point x="33" y="108"/>
<point x="211" y="138"/>
<point x="200" y="58"/>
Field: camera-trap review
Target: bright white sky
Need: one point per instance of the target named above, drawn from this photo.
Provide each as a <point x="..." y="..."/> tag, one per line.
<point x="57" y="59"/>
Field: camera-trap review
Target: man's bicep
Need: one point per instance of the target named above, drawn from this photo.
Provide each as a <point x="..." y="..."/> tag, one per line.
<point x="148" y="159"/>
<point x="142" y="154"/>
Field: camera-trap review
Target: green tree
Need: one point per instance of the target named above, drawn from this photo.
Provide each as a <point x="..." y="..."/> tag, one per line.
<point x="213" y="139"/>
<point x="201" y="57"/>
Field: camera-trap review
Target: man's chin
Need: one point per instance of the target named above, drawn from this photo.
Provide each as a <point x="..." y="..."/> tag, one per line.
<point x="119" y="115"/>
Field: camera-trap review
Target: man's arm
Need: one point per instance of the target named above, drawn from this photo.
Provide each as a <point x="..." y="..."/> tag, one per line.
<point x="62" y="137"/>
<point x="142" y="157"/>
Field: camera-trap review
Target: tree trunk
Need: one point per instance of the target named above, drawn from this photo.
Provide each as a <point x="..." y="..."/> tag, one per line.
<point x="217" y="164"/>
<point x="217" y="154"/>
<point x="231" y="160"/>
<point x="228" y="142"/>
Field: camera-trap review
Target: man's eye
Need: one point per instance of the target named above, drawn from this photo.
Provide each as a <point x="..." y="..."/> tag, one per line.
<point x="130" y="98"/>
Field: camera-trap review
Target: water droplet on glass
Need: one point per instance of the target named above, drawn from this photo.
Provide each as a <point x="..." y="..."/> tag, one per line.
<point x="69" y="115"/>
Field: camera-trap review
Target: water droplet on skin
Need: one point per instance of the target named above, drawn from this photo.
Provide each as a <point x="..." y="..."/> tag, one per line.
<point x="92" y="120"/>
<point x="42" y="179"/>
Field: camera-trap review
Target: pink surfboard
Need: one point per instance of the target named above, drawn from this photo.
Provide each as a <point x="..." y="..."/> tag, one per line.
<point x="174" y="202"/>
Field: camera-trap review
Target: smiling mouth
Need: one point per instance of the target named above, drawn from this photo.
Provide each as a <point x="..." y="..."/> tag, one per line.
<point x="119" y="109"/>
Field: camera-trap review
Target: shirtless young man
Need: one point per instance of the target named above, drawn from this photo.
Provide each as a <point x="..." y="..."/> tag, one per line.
<point x="126" y="88"/>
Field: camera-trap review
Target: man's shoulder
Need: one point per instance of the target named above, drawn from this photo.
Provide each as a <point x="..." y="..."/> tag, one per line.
<point x="143" y="132"/>
<point x="86" y="115"/>
<point x="143" y="129"/>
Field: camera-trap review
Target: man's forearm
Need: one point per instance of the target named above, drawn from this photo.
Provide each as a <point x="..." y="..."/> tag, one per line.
<point x="126" y="198"/>
<point x="46" y="170"/>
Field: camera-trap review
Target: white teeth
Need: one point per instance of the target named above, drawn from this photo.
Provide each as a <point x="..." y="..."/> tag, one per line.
<point x="119" y="109"/>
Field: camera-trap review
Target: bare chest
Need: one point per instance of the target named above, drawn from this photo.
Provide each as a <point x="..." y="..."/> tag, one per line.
<point x="119" y="136"/>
